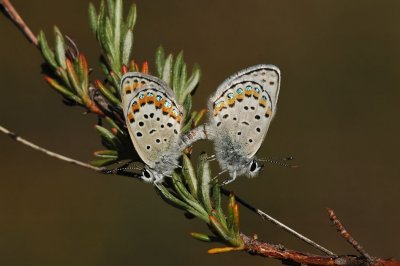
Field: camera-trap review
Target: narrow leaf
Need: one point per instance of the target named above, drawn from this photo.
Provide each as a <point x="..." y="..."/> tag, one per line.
<point x="103" y="162"/>
<point x="187" y="104"/>
<point x="178" y="203"/>
<point x="201" y="237"/>
<point x="110" y="154"/>
<point x="183" y="77"/>
<point x="186" y="196"/>
<point x="167" y="69"/>
<point x="189" y="175"/>
<point x="111" y="8"/>
<point x="117" y="30"/>
<point x="217" y="205"/>
<point x="106" y="92"/>
<point x="46" y="51"/>
<point x="192" y="82"/>
<point x="199" y="116"/>
<point x="160" y="60"/>
<point x="92" y="17"/>
<point x="176" y="73"/>
<point x="108" y="139"/>
<point x="219" y="228"/>
<point x="73" y="77"/>
<point x="230" y="217"/>
<point x="127" y="47"/>
<point x="62" y="90"/>
<point x="204" y="178"/>
<point x="84" y="70"/>
<point x="60" y="47"/>
<point x="131" y="19"/>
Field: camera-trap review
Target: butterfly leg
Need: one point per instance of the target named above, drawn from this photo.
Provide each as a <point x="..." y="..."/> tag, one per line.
<point x="211" y="158"/>
<point x="226" y="182"/>
<point x="216" y="177"/>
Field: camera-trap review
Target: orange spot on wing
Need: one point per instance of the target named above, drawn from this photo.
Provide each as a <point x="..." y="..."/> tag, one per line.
<point x="135" y="107"/>
<point x="131" y="117"/>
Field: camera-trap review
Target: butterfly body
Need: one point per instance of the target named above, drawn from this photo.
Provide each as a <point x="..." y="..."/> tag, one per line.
<point x="240" y="113"/>
<point x="154" y="120"/>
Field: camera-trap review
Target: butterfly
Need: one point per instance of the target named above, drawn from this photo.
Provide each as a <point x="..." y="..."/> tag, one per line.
<point x="154" y="120"/>
<point x="240" y="112"/>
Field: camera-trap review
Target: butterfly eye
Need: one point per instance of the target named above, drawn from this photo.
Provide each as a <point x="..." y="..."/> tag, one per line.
<point x="141" y="96"/>
<point x="264" y="97"/>
<point x="149" y="93"/>
<point x="253" y="166"/>
<point x="159" y="97"/>
<point x="230" y="95"/>
<point x="257" y="90"/>
<point x="248" y="88"/>
<point x="146" y="173"/>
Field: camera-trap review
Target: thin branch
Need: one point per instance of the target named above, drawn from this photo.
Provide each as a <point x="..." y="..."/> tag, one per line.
<point x="267" y="217"/>
<point x="119" y="171"/>
<point x="23" y="141"/>
<point x="291" y="257"/>
<point x="9" y="10"/>
<point x="251" y="245"/>
<point x="346" y="235"/>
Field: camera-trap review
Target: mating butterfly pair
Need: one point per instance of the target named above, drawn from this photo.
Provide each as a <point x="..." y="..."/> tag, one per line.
<point x="240" y="112"/>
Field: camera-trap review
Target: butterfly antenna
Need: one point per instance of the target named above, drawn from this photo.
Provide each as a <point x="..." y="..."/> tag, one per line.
<point x="279" y="162"/>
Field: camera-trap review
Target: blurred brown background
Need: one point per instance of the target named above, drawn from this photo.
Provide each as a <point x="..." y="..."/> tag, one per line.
<point x="338" y="115"/>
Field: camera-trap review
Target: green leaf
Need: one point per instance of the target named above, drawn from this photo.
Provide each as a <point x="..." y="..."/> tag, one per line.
<point x="60" y="47"/>
<point x="110" y="154"/>
<point x="219" y="228"/>
<point x="111" y="8"/>
<point x="107" y="93"/>
<point x="189" y="122"/>
<point x="183" y="77"/>
<point x="189" y="175"/>
<point x="167" y="69"/>
<point x="112" y="124"/>
<point x="187" y="104"/>
<point x="192" y="82"/>
<point x="117" y="31"/>
<point x="108" y="139"/>
<point x="73" y="77"/>
<point x="204" y="179"/>
<point x="199" y="116"/>
<point x="127" y="47"/>
<point x="131" y="19"/>
<point x="46" y="51"/>
<point x="230" y="218"/>
<point x="217" y="205"/>
<point x="201" y="237"/>
<point x="180" y="204"/>
<point x="176" y="73"/>
<point x="63" y="90"/>
<point x="92" y="17"/>
<point x="103" y="162"/>
<point x="186" y="196"/>
<point x="160" y="61"/>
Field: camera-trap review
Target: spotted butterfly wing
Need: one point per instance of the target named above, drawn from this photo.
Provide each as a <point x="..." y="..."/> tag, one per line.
<point x="154" y="120"/>
<point x="241" y="111"/>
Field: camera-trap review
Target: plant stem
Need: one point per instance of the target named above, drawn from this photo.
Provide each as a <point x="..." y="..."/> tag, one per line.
<point x="23" y="141"/>
<point x="267" y="217"/>
<point x="9" y="10"/>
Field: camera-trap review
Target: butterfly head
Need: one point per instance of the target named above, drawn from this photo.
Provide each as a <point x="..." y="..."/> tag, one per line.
<point x="254" y="168"/>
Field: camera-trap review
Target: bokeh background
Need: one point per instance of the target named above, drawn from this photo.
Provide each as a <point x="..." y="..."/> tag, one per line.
<point x="338" y="116"/>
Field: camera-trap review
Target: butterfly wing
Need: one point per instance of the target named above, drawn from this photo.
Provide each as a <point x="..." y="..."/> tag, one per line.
<point x="242" y="108"/>
<point x="153" y="116"/>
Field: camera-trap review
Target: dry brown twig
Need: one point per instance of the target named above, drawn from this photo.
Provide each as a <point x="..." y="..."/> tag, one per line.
<point x="12" y="14"/>
<point x="251" y="244"/>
